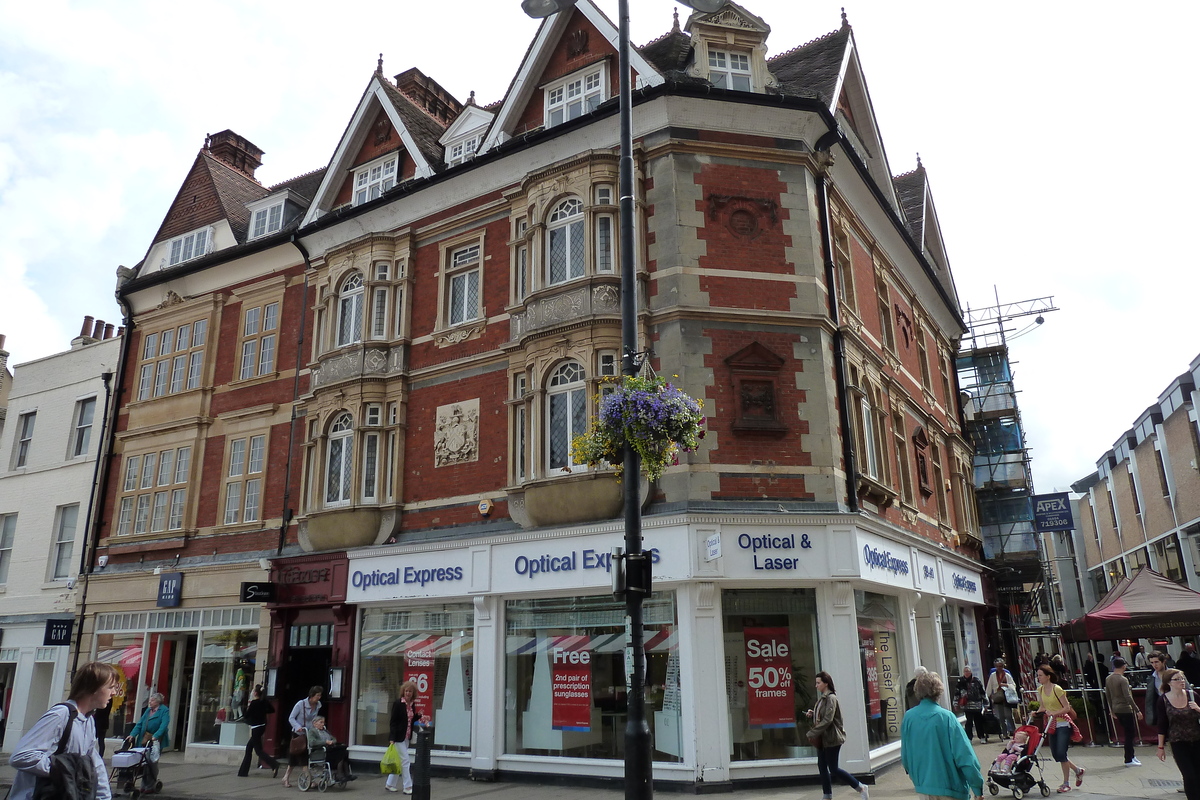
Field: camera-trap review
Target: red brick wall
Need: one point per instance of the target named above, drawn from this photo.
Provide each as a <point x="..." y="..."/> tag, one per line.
<point x="372" y="150"/>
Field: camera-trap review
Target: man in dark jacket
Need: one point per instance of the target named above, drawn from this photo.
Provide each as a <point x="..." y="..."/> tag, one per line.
<point x="1189" y="664"/>
<point x="972" y="700"/>
<point x="1094" y="672"/>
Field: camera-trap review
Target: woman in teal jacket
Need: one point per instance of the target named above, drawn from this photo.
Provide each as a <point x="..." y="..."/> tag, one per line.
<point x="155" y="724"/>
<point x="934" y="748"/>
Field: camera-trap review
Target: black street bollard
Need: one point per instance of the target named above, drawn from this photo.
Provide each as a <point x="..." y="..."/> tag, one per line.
<point x="420" y="765"/>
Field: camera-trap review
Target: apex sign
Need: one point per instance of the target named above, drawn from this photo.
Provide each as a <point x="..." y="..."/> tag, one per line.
<point x="1052" y="512"/>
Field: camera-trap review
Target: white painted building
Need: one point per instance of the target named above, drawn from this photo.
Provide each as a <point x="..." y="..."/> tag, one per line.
<point x="48" y="452"/>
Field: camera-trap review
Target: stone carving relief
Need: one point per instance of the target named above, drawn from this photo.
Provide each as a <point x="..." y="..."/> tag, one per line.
<point x="170" y="299"/>
<point x="460" y="334"/>
<point x="354" y="364"/>
<point x="566" y="306"/>
<point x="456" y="434"/>
<point x="606" y="298"/>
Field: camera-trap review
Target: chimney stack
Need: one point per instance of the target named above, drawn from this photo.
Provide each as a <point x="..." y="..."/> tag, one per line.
<point x="86" y="330"/>
<point x="98" y="331"/>
<point x="234" y="151"/>
<point x="108" y="331"/>
<point x="89" y="333"/>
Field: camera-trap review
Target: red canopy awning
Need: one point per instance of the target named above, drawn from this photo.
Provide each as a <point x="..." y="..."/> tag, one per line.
<point x="1141" y="606"/>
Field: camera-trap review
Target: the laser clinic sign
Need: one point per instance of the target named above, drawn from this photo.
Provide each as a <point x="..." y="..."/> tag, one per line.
<point x="435" y="574"/>
<point x="884" y="561"/>
<point x="769" y="678"/>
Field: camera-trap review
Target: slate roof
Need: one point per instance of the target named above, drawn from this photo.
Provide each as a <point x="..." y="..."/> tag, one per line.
<point x="234" y="190"/>
<point x="910" y="189"/>
<point x="425" y="130"/>
<point x="669" y="53"/>
<point x="811" y="70"/>
<point x="305" y="185"/>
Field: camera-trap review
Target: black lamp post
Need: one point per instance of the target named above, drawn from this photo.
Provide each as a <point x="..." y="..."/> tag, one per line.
<point x="639" y="774"/>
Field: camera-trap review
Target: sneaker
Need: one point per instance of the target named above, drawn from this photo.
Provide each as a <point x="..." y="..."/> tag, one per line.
<point x="1133" y="763"/>
<point x="408" y="790"/>
<point x="865" y="794"/>
<point x="1079" y="776"/>
<point x="391" y="788"/>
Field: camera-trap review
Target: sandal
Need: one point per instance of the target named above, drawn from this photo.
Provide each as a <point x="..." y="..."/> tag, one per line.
<point x="1079" y="776"/>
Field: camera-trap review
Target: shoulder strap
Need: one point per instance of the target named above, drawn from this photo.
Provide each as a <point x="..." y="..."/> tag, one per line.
<point x="66" y="734"/>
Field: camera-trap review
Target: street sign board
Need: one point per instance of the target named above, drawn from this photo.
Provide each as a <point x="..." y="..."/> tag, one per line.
<point x="1052" y="512"/>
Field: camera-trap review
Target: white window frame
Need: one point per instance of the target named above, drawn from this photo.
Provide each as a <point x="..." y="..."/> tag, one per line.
<point x="172" y="360"/>
<point x="350" y="300"/>
<point x="259" y="350"/>
<point x="464" y="266"/>
<point x="190" y="245"/>
<point x="575" y="95"/>
<point x="8" y="535"/>
<point x="149" y="501"/>
<point x="374" y="178"/>
<point x="574" y="388"/>
<point x="26" y="424"/>
<point x="567" y="219"/>
<point x="730" y="69"/>
<point x="266" y="220"/>
<point x="339" y="449"/>
<point x="463" y="150"/>
<point x="244" y="466"/>
<point x="63" y="549"/>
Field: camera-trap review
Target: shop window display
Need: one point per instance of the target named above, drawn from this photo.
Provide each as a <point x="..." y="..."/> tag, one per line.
<point x="771" y="658"/>
<point x="883" y="675"/>
<point x="434" y="647"/>
<point x="124" y="652"/>
<point x="222" y="689"/>
<point x="950" y="644"/>
<point x="565" y="677"/>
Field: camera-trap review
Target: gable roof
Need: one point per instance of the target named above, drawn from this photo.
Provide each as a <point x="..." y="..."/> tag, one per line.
<point x="920" y="217"/>
<point x="305" y="185"/>
<point x="471" y="118"/>
<point x="418" y="131"/>
<point x="212" y="191"/>
<point x="813" y="69"/>
<point x="525" y="82"/>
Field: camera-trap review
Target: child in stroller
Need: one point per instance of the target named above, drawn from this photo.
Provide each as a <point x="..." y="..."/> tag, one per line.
<point x="1014" y="768"/>
<point x="328" y="761"/>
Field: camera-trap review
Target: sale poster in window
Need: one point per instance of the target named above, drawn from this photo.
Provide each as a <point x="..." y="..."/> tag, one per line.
<point x="418" y="668"/>
<point x="866" y="643"/>
<point x="571" y="685"/>
<point x="769" y="678"/>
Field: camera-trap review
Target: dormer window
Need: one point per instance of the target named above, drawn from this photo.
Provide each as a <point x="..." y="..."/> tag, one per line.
<point x="575" y="96"/>
<point x="458" y="152"/>
<point x="189" y="246"/>
<point x="729" y="70"/>
<point x="375" y="178"/>
<point x="266" y="220"/>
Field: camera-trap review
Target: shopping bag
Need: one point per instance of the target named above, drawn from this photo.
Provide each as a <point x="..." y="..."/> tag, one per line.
<point x="1010" y="695"/>
<point x="390" y="765"/>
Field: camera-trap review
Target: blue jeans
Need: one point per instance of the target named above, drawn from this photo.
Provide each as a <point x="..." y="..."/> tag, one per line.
<point x="827" y="765"/>
<point x="1059" y="741"/>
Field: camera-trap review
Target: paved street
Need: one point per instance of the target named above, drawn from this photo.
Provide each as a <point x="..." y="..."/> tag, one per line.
<point x="1106" y="777"/>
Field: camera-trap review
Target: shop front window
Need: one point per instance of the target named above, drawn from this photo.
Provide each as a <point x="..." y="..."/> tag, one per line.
<point x="565" y="677"/>
<point x="950" y="645"/>
<point x="124" y="652"/>
<point x="227" y="661"/>
<point x="883" y="686"/>
<point x="432" y="646"/>
<point x="771" y="659"/>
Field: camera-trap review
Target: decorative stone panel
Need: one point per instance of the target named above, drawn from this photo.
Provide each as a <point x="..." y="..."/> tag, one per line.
<point x="353" y="364"/>
<point x="456" y="434"/>
<point x="573" y="303"/>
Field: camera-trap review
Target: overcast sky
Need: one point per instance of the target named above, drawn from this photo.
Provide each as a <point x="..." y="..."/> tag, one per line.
<point x="1058" y="139"/>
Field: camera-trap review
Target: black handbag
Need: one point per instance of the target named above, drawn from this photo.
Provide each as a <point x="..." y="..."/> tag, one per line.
<point x="72" y="775"/>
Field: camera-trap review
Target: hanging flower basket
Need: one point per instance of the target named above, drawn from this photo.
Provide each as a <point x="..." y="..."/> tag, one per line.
<point x="657" y="419"/>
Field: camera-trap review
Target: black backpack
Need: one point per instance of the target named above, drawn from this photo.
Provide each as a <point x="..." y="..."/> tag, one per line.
<point x="72" y="775"/>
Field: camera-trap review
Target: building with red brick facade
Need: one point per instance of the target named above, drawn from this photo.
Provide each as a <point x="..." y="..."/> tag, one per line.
<point x="398" y="350"/>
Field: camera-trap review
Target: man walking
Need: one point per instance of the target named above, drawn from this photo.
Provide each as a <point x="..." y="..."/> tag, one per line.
<point x="1122" y="708"/>
<point x="1189" y="664"/>
<point x="1155" y="686"/>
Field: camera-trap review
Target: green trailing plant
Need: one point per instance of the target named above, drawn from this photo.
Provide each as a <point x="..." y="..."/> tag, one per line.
<point x="657" y="419"/>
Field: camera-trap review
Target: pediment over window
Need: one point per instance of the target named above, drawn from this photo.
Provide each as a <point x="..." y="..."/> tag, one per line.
<point x="754" y="372"/>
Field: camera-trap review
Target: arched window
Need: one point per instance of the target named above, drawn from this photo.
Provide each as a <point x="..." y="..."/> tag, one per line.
<point x="565" y="242"/>
<point x="567" y="410"/>
<point x="339" y="461"/>
<point x="350" y="310"/>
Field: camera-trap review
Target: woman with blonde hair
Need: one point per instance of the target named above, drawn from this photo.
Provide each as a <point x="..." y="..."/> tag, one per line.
<point x="1179" y="723"/>
<point x="400" y="729"/>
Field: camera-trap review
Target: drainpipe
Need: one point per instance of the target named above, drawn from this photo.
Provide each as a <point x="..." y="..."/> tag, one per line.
<point x="841" y="378"/>
<point x="91" y="539"/>
<point x="288" y="515"/>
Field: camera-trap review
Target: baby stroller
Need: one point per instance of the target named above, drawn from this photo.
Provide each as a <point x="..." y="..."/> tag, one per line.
<point x="320" y="771"/>
<point x="129" y="767"/>
<point x="1014" y="768"/>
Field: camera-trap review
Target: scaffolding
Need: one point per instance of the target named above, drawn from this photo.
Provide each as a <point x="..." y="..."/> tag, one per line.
<point x="1002" y="476"/>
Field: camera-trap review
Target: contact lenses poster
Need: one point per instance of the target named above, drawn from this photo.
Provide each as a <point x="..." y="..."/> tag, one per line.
<point x="769" y="689"/>
<point x="418" y="668"/>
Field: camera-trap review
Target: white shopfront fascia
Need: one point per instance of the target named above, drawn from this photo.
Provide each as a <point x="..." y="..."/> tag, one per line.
<point x="825" y="553"/>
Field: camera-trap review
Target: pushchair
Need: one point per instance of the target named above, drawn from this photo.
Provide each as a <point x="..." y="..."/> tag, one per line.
<point x="320" y="770"/>
<point x="128" y="769"/>
<point x="1014" y="769"/>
